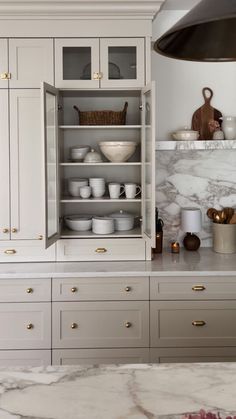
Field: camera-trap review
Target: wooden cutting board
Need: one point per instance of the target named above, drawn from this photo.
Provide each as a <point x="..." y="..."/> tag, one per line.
<point x="204" y="114"/>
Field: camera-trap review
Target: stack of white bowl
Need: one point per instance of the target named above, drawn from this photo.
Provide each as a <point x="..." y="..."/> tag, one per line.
<point x="98" y="186"/>
<point x="103" y="225"/>
<point x="74" y="185"/>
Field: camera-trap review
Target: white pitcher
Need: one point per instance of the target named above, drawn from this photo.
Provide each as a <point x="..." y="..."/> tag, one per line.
<point x="229" y="127"/>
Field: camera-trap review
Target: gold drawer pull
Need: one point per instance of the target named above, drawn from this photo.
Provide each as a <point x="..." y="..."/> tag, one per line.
<point x="29" y="290"/>
<point x="5" y="230"/>
<point x="74" y="325"/>
<point x="128" y="324"/>
<point x="198" y="323"/>
<point x="5" y="76"/>
<point x="30" y="326"/>
<point x="14" y="230"/>
<point x="198" y="288"/>
<point x="127" y="289"/>
<point x="10" y="251"/>
<point x="101" y="250"/>
<point x="73" y="289"/>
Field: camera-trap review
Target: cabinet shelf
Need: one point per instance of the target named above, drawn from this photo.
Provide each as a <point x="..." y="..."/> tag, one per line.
<point x="100" y="164"/>
<point x="170" y="145"/>
<point x="100" y="127"/>
<point x="68" y="234"/>
<point x="104" y="199"/>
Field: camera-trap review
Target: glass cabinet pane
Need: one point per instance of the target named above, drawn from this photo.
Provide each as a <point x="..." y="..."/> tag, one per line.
<point x="77" y="63"/>
<point x="122" y="63"/>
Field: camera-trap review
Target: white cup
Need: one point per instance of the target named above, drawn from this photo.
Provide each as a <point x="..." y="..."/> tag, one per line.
<point x="115" y="190"/>
<point x="98" y="191"/>
<point x="131" y="190"/>
<point x="85" y="192"/>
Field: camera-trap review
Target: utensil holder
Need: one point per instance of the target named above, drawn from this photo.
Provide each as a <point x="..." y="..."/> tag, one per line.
<point x="224" y="238"/>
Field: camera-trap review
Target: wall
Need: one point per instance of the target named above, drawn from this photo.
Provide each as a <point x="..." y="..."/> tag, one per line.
<point x="190" y="178"/>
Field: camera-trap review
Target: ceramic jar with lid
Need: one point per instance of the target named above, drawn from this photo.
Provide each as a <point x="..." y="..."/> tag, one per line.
<point x="93" y="157"/>
<point x="123" y="220"/>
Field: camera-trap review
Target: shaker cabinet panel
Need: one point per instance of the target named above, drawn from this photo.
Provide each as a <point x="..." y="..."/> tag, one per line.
<point x="26" y="161"/>
<point x="22" y="358"/>
<point x="4" y="64"/>
<point x="4" y="168"/>
<point x="25" y="290"/>
<point x="30" y="62"/>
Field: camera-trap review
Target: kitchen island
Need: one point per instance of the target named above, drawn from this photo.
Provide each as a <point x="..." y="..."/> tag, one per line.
<point x="117" y="392"/>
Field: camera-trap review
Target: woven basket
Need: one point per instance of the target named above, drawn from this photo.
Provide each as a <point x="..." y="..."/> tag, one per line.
<point x="102" y="117"/>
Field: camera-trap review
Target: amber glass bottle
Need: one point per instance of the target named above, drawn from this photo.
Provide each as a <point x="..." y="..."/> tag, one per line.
<point x="159" y="234"/>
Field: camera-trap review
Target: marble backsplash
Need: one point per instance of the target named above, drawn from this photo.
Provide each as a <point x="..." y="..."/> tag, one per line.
<point x="193" y="178"/>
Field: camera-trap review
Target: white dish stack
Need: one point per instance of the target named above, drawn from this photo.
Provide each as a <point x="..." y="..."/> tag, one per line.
<point x="98" y="187"/>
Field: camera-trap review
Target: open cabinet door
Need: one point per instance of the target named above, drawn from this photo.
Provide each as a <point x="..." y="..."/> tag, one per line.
<point x="50" y="141"/>
<point x="148" y="163"/>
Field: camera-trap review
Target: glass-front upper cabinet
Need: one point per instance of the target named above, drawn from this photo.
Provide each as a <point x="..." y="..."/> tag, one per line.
<point x="99" y="63"/>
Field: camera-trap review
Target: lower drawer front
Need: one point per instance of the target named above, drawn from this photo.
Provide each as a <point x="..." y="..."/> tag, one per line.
<point x="100" y="249"/>
<point x="26" y="251"/>
<point x="101" y="324"/>
<point x="25" y="326"/>
<point x="25" y="290"/>
<point x="100" y="356"/>
<point x="170" y="355"/>
<point x="25" y="358"/>
<point x="193" y="324"/>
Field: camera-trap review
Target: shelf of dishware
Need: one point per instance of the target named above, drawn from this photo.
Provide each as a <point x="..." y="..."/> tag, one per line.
<point x="91" y="200"/>
<point x="99" y="127"/>
<point x="170" y="145"/>
<point x="68" y="234"/>
<point x="69" y="163"/>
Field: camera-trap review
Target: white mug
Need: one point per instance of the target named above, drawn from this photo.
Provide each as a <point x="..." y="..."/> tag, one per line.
<point x="131" y="190"/>
<point x="115" y="190"/>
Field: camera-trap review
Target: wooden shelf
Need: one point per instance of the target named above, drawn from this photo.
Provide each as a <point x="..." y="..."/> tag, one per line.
<point x="68" y="234"/>
<point x="100" y="127"/>
<point x="107" y="199"/>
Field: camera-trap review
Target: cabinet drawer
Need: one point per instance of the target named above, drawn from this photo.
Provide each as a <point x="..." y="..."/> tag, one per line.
<point x="25" y="251"/>
<point x="193" y="323"/>
<point x="170" y="355"/>
<point x="25" y="290"/>
<point x="32" y="358"/>
<point x="100" y="356"/>
<point x="100" y="324"/>
<point x="193" y="288"/>
<point x="25" y="326"/>
<point x="111" y="288"/>
<point x="100" y="249"/>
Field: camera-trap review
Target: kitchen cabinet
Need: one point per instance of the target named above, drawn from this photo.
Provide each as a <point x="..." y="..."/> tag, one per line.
<point x="4" y="168"/>
<point x="22" y="358"/>
<point x="100" y="63"/>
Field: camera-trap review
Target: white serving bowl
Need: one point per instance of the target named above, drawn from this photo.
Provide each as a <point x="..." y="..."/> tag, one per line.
<point x="118" y="151"/>
<point x="103" y="225"/>
<point x="78" y="153"/>
<point x="78" y="222"/>
<point x="185" y="135"/>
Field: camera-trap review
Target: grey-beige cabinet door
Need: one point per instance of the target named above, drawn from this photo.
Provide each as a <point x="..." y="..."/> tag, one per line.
<point x="4" y="64"/>
<point x="26" y="165"/>
<point x="4" y="167"/>
<point x="30" y="62"/>
<point x="21" y="358"/>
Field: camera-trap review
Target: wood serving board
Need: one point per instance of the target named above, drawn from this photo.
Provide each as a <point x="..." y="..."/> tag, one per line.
<point x="204" y="114"/>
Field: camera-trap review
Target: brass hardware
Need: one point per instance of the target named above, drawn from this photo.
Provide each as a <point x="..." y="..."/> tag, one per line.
<point x="30" y="326"/>
<point x="127" y="289"/>
<point x="198" y="323"/>
<point x="5" y="76"/>
<point x="10" y="251"/>
<point x="101" y="250"/>
<point x="74" y="325"/>
<point x="59" y="107"/>
<point x="100" y="76"/>
<point x="141" y="107"/>
<point x="5" y="230"/>
<point x="97" y="75"/>
<point x="198" y="288"/>
<point x="14" y="230"/>
<point x="128" y="324"/>
<point x="40" y="237"/>
<point x="73" y="289"/>
<point x="29" y="290"/>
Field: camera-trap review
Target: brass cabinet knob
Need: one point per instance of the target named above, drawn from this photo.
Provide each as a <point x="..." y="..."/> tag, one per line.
<point x="10" y="251"/>
<point x="5" y="76"/>
<point x="74" y="325"/>
<point x="198" y="323"/>
<point x="198" y="288"/>
<point x="14" y="230"/>
<point x="29" y="290"/>
<point x="127" y="289"/>
<point x="101" y="250"/>
<point x="30" y="326"/>
<point x="128" y="324"/>
<point x="5" y="230"/>
<point x="73" y="289"/>
<point x="40" y="237"/>
<point x="97" y="75"/>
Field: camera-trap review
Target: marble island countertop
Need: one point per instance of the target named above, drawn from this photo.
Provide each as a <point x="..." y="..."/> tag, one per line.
<point x="203" y="262"/>
<point x="117" y="392"/>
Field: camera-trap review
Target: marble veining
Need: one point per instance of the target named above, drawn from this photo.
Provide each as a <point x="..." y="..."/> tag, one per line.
<point x="117" y="392"/>
<point x="201" y="179"/>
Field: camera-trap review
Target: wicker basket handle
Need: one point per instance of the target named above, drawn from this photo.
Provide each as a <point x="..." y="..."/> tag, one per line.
<point x="125" y="107"/>
<point x="76" y="108"/>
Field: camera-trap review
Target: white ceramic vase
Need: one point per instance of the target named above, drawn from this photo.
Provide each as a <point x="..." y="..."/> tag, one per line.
<point x="229" y="127"/>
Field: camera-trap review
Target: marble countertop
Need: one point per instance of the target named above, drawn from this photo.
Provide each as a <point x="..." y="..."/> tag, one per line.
<point x="203" y="262"/>
<point x="117" y="392"/>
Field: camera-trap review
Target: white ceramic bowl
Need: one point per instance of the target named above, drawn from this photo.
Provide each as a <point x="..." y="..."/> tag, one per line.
<point x="74" y="185"/>
<point x="118" y="151"/>
<point x="78" y="222"/>
<point x="185" y="135"/>
<point x="78" y="153"/>
<point x="103" y="225"/>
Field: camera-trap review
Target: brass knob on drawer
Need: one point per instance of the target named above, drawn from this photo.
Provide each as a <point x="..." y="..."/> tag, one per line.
<point x="14" y="230"/>
<point x="128" y="324"/>
<point x="74" y="326"/>
<point x="5" y="76"/>
<point x="73" y="289"/>
<point x="5" y="230"/>
<point x="10" y="251"/>
<point x="30" y="326"/>
<point x="101" y="250"/>
<point x="127" y="289"/>
<point x="29" y="290"/>
<point x="198" y="323"/>
<point x="198" y="288"/>
<point x="40" y="237"/>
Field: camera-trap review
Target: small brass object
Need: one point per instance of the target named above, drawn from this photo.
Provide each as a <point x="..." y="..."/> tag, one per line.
<point x="101" y="250"/>
<point x="96" y="75"/>
<point x="14" y="230"/>
<point x="198" y="288"/>
<point x="5" y="76"/>
<point x="73" y="289"/>
<point x="128" y="324"/>
<point x="127" y="289"/>
<point x="74" y="325"/>
<point x="10" y="251"/>
<point x="40" y="237"/>
<point x="5" y="230"/>
<point x="30" y="326"/>
<point x="198" y="323"/>
<point x="29" y="290"/>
